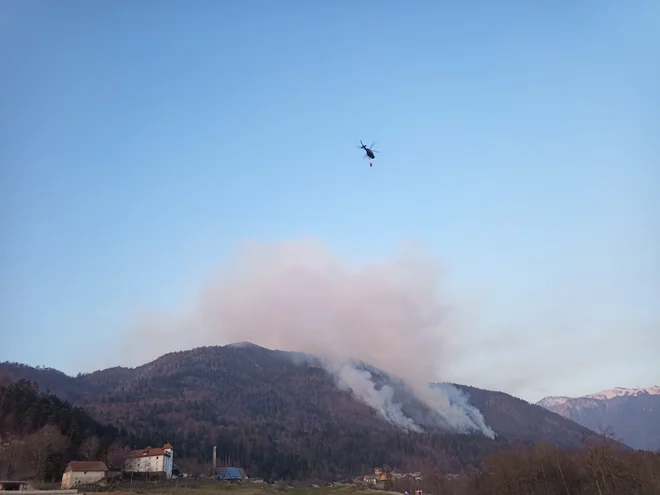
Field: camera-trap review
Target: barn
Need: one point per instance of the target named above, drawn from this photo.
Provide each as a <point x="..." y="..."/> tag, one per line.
<point x="83" y="473"/>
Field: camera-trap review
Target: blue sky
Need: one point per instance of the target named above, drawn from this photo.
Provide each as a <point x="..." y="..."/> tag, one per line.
<point x="141" y="142"/>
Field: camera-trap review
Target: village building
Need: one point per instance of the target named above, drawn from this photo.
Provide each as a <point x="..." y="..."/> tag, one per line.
<point x="370" y="479"/>
<point x="83" y="473"/>
<point x="151" y="460"/>
<point x="231" y="473"/>
<point x="13" y="486"/>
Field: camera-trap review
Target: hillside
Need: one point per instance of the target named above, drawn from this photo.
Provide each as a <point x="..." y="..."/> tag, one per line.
<point x="281" y="414"/>
<point x="40" y="433"/>
<point x="633" y="415"/>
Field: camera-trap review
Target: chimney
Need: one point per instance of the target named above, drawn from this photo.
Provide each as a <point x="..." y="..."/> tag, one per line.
<point x="214" y="457"/>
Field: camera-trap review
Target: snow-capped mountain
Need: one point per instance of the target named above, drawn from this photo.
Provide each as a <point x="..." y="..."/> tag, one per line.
<point x="621" y="392"/>
<point x="632" y="414"/>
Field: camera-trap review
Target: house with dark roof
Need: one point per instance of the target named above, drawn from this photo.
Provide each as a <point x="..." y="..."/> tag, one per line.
<point x="83" y="473"/>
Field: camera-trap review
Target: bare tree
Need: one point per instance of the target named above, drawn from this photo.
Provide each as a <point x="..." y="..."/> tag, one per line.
<point x="89" y="449"/>
<point x="8" y="456"/>
<point x="116" y="456"/>
<point x="48" y="439"/>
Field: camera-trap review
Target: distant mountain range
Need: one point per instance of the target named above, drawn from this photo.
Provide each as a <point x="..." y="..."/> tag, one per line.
<point x="631" y="414"/>
<point x="275" y="412"/>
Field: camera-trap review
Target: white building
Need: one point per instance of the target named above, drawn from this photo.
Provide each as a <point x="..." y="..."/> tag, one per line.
<point x="83" y="473"/>
<point x="151" y="460"/>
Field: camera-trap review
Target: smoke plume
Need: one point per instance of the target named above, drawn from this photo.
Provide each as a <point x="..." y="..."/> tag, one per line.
<point x="297" y="296"/>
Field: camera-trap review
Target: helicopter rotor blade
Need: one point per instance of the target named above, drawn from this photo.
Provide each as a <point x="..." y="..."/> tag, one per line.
<point x="372" y="144"/>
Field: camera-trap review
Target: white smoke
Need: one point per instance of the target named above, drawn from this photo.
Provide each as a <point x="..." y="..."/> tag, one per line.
<point x="297" y="296"/>
<point x="451" y="407"/>
<point x="457" y="411"/>
<point x="359" y="382"/>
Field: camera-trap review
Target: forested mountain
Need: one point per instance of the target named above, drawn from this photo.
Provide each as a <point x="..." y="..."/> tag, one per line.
<point x="280" y="416"/>
<point x="40" y="433"/>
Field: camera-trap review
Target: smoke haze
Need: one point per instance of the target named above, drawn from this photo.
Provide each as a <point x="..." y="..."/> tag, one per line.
<point x="297" y="296"/>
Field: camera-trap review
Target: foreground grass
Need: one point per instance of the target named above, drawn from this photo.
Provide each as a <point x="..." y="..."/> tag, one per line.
<point x="220" y="488"/>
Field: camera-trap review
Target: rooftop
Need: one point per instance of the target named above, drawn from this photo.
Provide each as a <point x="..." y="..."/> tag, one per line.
<point x="150" y="451"/>
<point x="83" y="466"/>
<point x="231" y="473"/>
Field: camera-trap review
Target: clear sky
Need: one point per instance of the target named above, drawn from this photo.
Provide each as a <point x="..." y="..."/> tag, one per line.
<point x="140" y="142"/>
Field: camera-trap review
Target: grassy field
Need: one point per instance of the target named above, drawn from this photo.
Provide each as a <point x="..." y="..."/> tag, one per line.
<point x="213" y="488"/>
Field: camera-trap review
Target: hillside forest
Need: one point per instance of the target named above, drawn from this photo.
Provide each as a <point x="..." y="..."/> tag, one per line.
<point x="40" y="433"/>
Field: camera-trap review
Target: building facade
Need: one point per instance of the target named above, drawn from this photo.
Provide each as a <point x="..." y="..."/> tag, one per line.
<point x="151" y="460"/>
<point x="83" y="473"/>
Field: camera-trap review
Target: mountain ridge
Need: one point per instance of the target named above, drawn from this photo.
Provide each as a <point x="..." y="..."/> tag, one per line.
<point x="630" y="414"/>
<point x="623" y="391"/>
<point x="276" y="412"/>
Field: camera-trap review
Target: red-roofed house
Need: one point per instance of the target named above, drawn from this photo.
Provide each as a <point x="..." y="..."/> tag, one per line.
<point x="151" y="460"/>
<point x="83" y="473"/>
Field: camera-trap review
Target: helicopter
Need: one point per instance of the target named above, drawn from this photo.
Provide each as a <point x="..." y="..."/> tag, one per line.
<point x="369" y="151"/>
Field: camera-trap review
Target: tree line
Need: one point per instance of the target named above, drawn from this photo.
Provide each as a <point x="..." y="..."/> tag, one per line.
<point x="40" y="434"/>
<point x="595" y="469"/>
